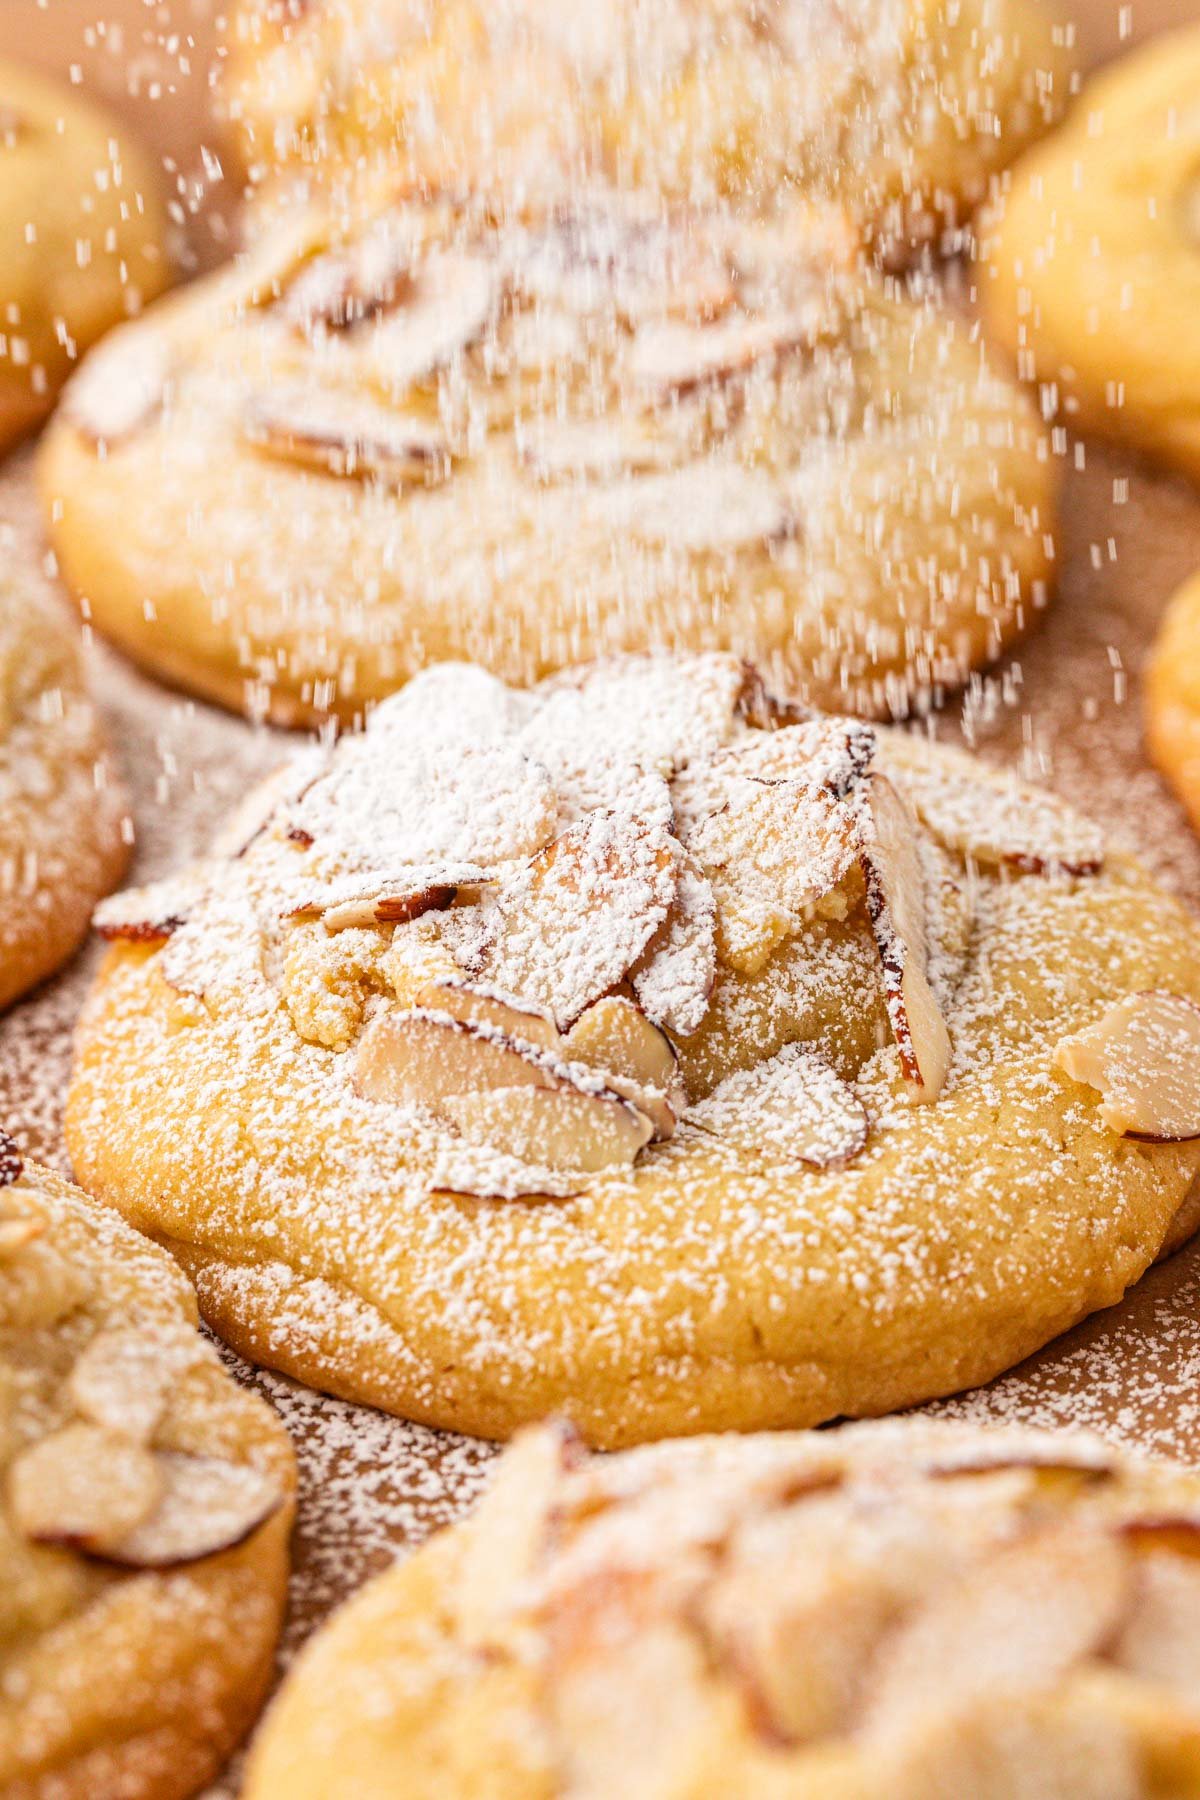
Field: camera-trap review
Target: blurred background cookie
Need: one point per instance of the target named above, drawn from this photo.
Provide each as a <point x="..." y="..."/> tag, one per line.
<point x="65" y="833"/>
<point x="891" y="1609"/>
<point x="540" y="437"/>
<point x="145" y="1506"/>
<point x="82" y="238"/>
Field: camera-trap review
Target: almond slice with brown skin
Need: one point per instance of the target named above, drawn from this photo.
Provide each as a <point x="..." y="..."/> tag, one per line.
<point x="896" y="906"/>
<point x="471" y="1004"/>
<point x="1143" y="1057"/>
<point x="573" y="922"/>
<point x="122" y="1380"/>
<point x="337" y="433"/>
<point x="354" y="904"/>
<point x="615" y="1037"/>
<point x="702" y="509"/>
<point x="148" y="915"/>
<point x="121" y="384"/>
<point x="678" y="969"/>
<point x="987" y="816"/>
<point x="672" y="359"/>
<point x="83" y="1488"/>
<point x="207" y="1505"/>
<point x="354" y="281"/>
<point x="418" y="1058"/>
<point x="453" y="299"/>
<point x="557" y="1128"/>
<point x="792" y="1111"/>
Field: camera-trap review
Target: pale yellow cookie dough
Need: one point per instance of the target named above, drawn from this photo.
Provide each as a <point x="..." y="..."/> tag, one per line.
<point x="1091" y="273"/>
<point x="886" y="1612"/>
<point x="900" y="109"/>
<point x="145" y="1506"/>
<point x="533" y="441"/>
<point x="640" y="1048"/>
<point x="64" y="829"/>
<point x="82" y="238"/>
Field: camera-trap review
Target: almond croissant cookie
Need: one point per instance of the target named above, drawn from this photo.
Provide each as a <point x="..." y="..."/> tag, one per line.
<point x="145" y="1505"/>
<point x="1092" y="276"/>
<point x="63" y="820"/>
<point x="885" y="1612"/>
<point x="593" y="430"/>
<point x="899" y="109"/>
<point x="644" y="1047"/>
<point x="82" y="238"/>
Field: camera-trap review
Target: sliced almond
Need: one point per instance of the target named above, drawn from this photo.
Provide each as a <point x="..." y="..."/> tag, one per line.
<point x="453" y="299"/>
<point x="553" y="1128"/>
<point x="671" y="358"/>
<point x="267" y="800"/>
<point x="708" y="508"/>
<point x="510" y="1529"/>
<point x="84" y="1488"/>
<point x="606" y="258"/>
<point x="355" y="904"/>
<point x="356" y="280"/>
<point x="471" y="1004"/>
<point x="148" y="915"/>
<point x="572" y="923"/>
<point x="1143" y="1057"/>
<point x="419" y="1058"/>
<point x="792" y="1111"/>
<point x="11" y="1161"/>
<point x="1016" y="1622"/>
<point x="764" y="709"/>
<point x="896" y="906"/>
<point x="121" y="384"/>
<point x="678" y="968"/>
<point x="637" y="1061"/>
<point x="207" y="1506"/>
<point x="599" y="449"/>
<point x="123" y="1378"/>
<point x="985" y="815"/>
<point x="339" y="433"/>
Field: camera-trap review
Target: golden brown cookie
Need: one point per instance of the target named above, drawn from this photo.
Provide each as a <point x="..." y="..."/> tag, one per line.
<point x="145" y="1505"/>
<point x="885" y="1612"/>
<point x="82" y="238"/>
<point x="1171" y="696"/>
<point x="899" y="109"/>
<point x="64" y="829"/>
<point x="531" y="441"/>
<point x="646" y="1048"/>
<point x="1091" y="276"/>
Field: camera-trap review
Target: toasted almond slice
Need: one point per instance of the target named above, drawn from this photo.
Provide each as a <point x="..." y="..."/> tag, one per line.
<point x="396" y="900"/>
<point x="471" y="1004"/>
<point x="706" y="508"/>
<point x="208" y="1505"/>
<point x="572" y="923"/>
<point x="12" y="1163"/>
<point x="766" y="710"/>
<point x="678" y="968"/>
<point x="1016" y="1622"/>
<point x="896" y="907"/>
<point x="985" y="815"/>
<point x="792" y="1111"/>
<point x="423" y="1058"/>
<point x="267" y="800"/>
<point x="601" y="259"/>
<point x="671" y="359"/>
<point x="346" y="434"/>
<point x="1143" y="1056"/>
<point x="218" y="952"/>
<point x="637" y="1061"/>
<point x="123" y="1378"/>
<point x="828" y="754"/>
<point x="1076" y="1456"/>
<point x="121" y="384"/>
<point x="453" y="300"/>
<point x="148" y="915"/>
<point x="510" y="1530"/>
<point x="599" y="449"/>
<point x="356" y="280"/>
<point x="84" y="1488"/>
<point x="553" y="1128"/>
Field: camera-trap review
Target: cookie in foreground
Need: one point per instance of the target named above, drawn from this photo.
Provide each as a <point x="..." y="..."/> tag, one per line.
<point x="82" y="238"/>
<point x="901" y="110"/>
<point x="889" y="1610"/>
<point x="64" y="826"/>
<point x="643" y="1047"/>
<point x="1091" y="276"/>
<point x="529" y="439"/>
<point x="145" y="1505"/>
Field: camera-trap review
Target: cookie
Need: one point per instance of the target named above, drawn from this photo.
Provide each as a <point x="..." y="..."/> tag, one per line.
<point x="644" y="1047"/>
<point x="1091" y="276"/>
<point x="64" y="829"/>
<point x="901" y="110"/>
<point x="1171" y="696"/>
<point x="145" y="1505"/>
<point x="82" y="238"/>
<point x="530" y="441"/>
<point x="897" y="1610"/>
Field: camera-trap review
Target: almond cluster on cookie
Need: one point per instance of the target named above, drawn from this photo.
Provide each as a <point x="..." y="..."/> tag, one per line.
<point x="514" y="914"/>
